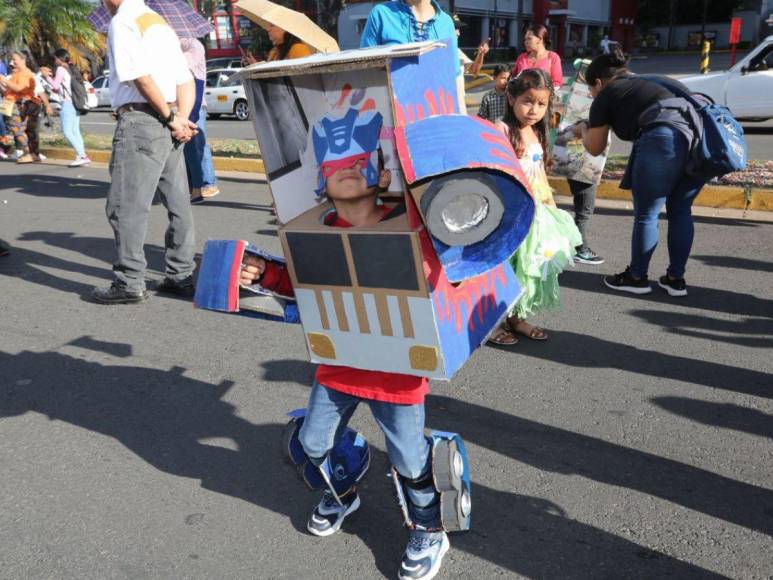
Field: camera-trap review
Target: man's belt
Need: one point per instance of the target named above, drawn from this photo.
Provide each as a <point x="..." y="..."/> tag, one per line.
<point x="142" y="108"/>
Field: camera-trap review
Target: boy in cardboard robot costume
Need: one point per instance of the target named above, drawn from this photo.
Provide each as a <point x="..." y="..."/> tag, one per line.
<point x="462" y="211"/>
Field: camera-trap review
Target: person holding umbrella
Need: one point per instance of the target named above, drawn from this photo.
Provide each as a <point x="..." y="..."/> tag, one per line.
<point x="152" y="93"/>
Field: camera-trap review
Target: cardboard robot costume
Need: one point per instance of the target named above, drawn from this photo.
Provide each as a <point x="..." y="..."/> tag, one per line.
<point x="427" y="286"/>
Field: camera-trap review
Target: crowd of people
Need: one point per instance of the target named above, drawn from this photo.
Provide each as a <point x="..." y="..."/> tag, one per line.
<point x="156" y="91"/>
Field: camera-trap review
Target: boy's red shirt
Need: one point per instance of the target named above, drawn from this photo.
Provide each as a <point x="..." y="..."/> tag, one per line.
<point x="375" y="385"/>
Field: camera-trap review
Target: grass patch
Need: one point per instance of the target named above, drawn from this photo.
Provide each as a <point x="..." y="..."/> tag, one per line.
<point x="236" y="148"/>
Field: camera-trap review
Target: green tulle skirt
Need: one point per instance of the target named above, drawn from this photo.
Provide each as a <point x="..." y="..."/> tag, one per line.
<point x="547" y="249"/>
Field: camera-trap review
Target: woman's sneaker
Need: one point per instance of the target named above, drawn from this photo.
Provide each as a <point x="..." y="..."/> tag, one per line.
<point x="80" y="161"/>
<point x="587" y="256"/>
<point x="627" y="283"/>
<point x="674" y="286"/>
<point x="423" y="555"/>
<point x="329" y="515"/>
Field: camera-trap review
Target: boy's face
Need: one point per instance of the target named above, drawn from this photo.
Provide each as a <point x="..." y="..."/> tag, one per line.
<point x="500" y="82"/>
<point x="348" y="183"/>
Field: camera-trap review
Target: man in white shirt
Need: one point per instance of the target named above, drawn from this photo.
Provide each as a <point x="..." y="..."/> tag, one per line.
<point x="152" y="93"/>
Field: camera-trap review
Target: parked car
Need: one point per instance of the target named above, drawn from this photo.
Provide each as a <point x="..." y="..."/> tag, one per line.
<point x="102" y="88"/>
<point x="746" y="88"/>
<point x="226" y="62"/>
<point x="224" y="94"/>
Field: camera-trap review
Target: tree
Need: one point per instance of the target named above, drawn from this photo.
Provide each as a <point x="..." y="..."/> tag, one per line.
<point x="42" y="26"/>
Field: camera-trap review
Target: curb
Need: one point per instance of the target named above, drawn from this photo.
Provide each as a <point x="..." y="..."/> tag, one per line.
<point x="716" y="196"/>
<point x="220" y="163"/>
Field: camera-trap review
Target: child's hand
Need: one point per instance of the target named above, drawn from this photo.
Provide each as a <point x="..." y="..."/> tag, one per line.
<point x="579" y="129"/>
<point x="252" y="270"/>
<point x="384" y="179"/>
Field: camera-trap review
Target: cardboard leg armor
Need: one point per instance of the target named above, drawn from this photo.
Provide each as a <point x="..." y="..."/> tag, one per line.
<point x="342" y="468"/>
<point x="450" y="476"/>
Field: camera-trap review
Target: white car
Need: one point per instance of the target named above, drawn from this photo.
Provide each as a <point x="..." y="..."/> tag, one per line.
<point x="746" y="89"/>
<point x="224" y="94"/>
<point x="102" y="88"/>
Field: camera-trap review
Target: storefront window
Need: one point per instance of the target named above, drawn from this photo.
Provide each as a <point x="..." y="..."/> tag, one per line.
<point x="224" y="32"/>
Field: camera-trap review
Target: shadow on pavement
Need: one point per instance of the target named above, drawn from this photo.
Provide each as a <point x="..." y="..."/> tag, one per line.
<point x="723" y="415"/>
<point x="165" y="418"/>
<point x="698" y="219"/>
<point x="560" y="451"/>
<point x="42" y="184"/>
<point x="735" y="262"/>
<point x="712" y="329"/>
<point x="699" y="297"/>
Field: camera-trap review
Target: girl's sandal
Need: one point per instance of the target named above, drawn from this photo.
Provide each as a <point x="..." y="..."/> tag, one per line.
<point x="503" y="336"/>
<point x="517" y="327"/>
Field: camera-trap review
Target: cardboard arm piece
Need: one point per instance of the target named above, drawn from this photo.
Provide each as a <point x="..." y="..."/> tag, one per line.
<point x="217" y="287"/>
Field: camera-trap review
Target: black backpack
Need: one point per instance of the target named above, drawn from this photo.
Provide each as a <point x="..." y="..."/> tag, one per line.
<point x="78" y="91"/>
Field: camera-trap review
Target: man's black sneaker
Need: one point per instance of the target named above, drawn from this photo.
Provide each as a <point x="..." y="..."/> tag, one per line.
<point x="116" y="294"/>
<point x="627" y="283"/>
<point x="329" y="514"/>
<point x="587" y="256"/>
<point x="184" y="288"/>
<point x="423" y="555"/>
<point x="674" y="286"/>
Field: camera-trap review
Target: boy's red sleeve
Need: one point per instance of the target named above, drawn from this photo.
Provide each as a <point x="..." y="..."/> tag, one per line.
<point x="277" y="279"/>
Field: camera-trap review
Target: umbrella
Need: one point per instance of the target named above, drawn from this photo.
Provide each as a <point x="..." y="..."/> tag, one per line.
<point x="183" y="19"/>
<point x="265" y="13"/>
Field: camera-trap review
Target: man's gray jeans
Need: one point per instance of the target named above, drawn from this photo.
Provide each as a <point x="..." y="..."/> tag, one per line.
<point x="143" y="160"/>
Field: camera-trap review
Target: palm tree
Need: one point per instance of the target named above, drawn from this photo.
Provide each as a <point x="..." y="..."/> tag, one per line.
<point x="42" y="26"/>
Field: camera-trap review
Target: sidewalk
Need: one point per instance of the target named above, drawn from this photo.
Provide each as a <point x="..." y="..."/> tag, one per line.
<point x="713" y="196"/>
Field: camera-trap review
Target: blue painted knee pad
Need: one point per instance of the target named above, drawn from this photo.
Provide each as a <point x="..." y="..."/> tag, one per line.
<point x="450" y="477"/>
<point x="341" y="469"/>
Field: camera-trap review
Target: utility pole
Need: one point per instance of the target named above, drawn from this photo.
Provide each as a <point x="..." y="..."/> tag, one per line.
<point x="671" y="11"/>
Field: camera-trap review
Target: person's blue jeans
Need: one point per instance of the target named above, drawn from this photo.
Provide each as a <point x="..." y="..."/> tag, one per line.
<point x="658" y="177"/>
<point x="3" y="128"/>
<point x="71" y="127"/>
<point x="198" y="156"/>
<point x="408" y="448"/>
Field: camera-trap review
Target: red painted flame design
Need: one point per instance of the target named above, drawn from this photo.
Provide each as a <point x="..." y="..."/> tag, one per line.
<point x="478" y="294"/>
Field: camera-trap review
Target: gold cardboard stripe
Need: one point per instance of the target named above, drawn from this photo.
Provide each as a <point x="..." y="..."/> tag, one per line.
<point x="362" y="314"/>
<point x="338" y="304"/>
<point x="322" y="310"/>
<point x="382" y="308"/>
<point x="405" y="317"/>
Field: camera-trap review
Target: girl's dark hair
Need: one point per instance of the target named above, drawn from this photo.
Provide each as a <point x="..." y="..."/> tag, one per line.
<point x="540" y="31"/>
<point x="289" y="41"/>
<point x="62" y="54"/>
<point x="606" y="66"/>
<point x="532" y="78"/>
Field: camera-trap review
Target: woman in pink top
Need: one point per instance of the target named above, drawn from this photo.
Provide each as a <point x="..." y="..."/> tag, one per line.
<point x="537" y="42"/>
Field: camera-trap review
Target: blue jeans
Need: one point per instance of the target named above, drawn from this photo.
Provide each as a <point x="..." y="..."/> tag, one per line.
<point x="408" y="448"/>
<point x="3" y="128"/>
<point x="658" y="177"/>
<point x="71" y="127"/>
<point x="198" y="156"/>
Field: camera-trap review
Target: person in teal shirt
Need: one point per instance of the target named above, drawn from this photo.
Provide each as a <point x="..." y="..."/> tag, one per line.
<point x="405" y="21"/>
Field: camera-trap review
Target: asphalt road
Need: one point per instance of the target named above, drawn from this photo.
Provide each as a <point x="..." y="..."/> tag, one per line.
<point x="143" y="441"/>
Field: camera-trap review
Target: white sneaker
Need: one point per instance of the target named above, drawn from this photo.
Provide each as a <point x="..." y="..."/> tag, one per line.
<point x="3" y="154"/>
<point x="42" y="157"/>
<point x="80" y="161"/>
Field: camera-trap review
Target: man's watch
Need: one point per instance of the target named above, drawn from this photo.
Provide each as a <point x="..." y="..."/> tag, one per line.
<point x="166" y="120"/>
